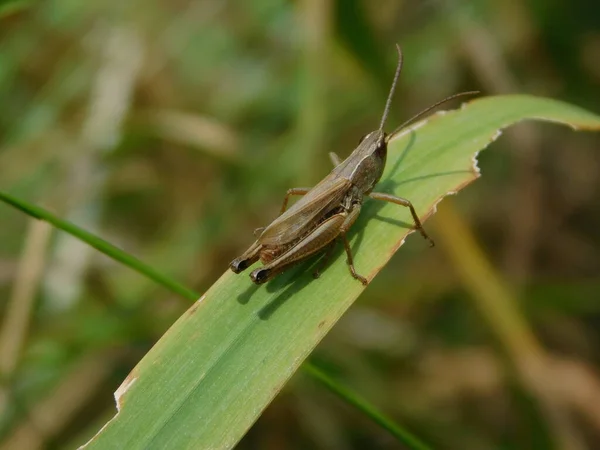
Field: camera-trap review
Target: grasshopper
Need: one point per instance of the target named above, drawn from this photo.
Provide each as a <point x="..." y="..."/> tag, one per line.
<point x="326" y="212"/>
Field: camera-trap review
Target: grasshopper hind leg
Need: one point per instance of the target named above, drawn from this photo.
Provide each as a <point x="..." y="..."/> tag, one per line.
<point x="350" y="262"/>
<point x="352" y="216"/>
<point x="320" y="238"/>
<point x="325" y="260"/>
<point x="253" y="253"/>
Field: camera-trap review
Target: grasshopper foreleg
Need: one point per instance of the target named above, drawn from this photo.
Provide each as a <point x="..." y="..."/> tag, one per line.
<point x="403" y="202"/>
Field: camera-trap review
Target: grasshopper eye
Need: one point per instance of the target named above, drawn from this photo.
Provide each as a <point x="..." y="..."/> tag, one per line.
<point x="381" y="149"/>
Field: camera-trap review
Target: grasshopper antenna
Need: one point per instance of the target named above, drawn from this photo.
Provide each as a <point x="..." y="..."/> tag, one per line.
<point x="426" y="110"/>
<point x="388" y="103"/>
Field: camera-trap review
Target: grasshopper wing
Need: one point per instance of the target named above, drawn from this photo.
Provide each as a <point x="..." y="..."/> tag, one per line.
<point x="300" y="217"/>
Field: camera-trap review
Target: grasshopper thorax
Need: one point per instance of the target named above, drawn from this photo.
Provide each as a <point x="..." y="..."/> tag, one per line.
<point x="368" y="161"/>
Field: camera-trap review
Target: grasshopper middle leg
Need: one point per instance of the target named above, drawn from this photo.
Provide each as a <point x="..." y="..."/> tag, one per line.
<point x="289" y="193"/>
<point x="403" y="202"/>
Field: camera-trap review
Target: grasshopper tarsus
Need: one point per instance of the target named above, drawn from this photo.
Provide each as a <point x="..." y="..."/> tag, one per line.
<point x="327" y="211"/>
<point x="421" y="230"/>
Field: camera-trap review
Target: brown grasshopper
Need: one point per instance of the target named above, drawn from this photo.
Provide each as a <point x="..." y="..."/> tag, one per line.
<point x="328" y="210"/>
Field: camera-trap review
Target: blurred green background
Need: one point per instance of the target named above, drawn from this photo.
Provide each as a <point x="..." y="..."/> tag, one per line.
<point x="173" y="128"/>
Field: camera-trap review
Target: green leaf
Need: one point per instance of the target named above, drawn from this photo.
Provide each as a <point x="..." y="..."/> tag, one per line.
<point x="211" y="375"/>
